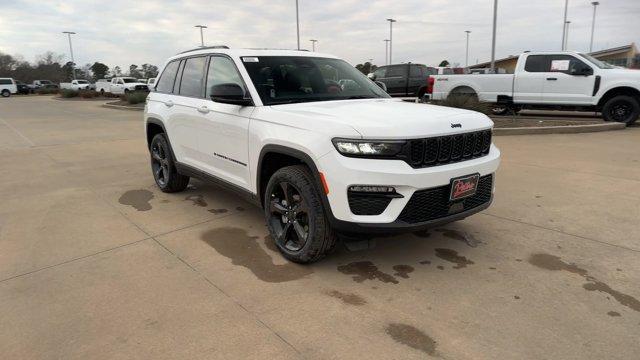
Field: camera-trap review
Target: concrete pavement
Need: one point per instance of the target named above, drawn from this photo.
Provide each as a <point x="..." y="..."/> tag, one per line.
<point x="96" y="263"/>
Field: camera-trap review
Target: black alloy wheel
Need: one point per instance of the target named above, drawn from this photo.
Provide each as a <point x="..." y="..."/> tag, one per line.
<point x="621" y="108"/>
<point x="160" y="163"/>
<point x="289" y="217"/>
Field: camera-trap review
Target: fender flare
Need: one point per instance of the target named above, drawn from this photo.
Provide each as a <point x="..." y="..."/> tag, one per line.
<point x="305" y="159"/>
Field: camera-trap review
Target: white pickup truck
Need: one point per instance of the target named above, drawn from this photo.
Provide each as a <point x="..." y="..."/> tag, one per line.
<point x="76" y="85"/>
<point x="551" y="80"/>
<point x="123" y="85"/>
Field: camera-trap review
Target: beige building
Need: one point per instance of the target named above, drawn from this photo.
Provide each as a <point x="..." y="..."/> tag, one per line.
<point x="626" y="56"/>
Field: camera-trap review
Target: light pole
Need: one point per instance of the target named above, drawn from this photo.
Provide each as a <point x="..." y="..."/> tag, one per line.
<point x="391" y="21"/>
<point x="593" y="24"/>
<point x="386" y="51"/>
<point x="73" y="62"/>
<point x="298" y="24"/>
<point x="566" y="40"/>
<point x="466" y="61"/>
<point x="201" y="35"/>
<point x="493" y="38"/>
<point x="564" y="26"/>
<point x="313" y="44"/>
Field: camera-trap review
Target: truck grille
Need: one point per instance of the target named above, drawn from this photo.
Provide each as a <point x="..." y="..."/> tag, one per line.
<point x="448" y="149"/>
<point x="432" y="204"/>
<point x="142" y="88"/>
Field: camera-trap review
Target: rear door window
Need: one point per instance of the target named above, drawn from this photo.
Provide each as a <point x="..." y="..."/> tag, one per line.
<point x="536" y="63"/>
<point x="415" y="71"/>
<point x="192" y="82"/>
<point x="165" y="84"/>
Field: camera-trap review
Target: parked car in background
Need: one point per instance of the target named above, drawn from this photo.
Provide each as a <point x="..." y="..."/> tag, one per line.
<point x="76" y="85"/>
<point x="151" y="84"/>
<point x="42" y="84"/>
<point x="143" y="81"/>
<point x="22" y="87"/>
<point x="7" y="87"/>
<point x="123" y="85"/>
<point x="404" y="79"/>
<point x="103" y="85"/>
<point x="561" y="80"/>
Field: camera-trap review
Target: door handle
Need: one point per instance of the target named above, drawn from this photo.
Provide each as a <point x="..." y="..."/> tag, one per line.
<point x="203" y="109"/>
<point x="552" y="79"/>
<point x="168" y="103"/>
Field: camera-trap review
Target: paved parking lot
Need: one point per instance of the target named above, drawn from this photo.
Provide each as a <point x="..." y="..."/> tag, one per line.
<point x="96" y="263"/>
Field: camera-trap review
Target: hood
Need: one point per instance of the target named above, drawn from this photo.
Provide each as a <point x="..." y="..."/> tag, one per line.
<point x="389" y="118"/>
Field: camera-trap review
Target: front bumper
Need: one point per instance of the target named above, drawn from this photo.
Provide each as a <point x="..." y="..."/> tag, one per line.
<point x="342" y="172"/>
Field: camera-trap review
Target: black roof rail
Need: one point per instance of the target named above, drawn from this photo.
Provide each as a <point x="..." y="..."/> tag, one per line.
<point x="277" y="49"/>
<point x="206" y="48"/>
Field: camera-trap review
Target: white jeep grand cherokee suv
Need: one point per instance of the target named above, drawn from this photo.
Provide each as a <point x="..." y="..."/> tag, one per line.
<point x="320" y="147"/>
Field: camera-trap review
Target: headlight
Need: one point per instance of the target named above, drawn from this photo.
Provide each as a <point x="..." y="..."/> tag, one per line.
<point x="368" y="148"/>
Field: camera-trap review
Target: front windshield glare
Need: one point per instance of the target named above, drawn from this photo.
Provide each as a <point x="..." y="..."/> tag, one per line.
<point x="598" y="63"/>
<point x="293" y="79"/>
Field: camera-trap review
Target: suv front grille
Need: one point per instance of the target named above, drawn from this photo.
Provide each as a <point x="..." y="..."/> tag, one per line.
<point x="448" y="149"/>
<point x="434" y="203"/>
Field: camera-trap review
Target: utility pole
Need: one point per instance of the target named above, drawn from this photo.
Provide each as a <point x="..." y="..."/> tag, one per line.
<point x="313" y="44"/>
<point x="493" y="39"/>
<point x="386" y="51"/>
<point x="298" y="24"/>
<point x="73" y="62"/>
<point x="564" y="26"/>
<point x="391" y="21"/>
<point x="466" y="62"/>
<point x="593" y="24"/>
<point x="201" y="35"/>
<point x="566" y="41"/>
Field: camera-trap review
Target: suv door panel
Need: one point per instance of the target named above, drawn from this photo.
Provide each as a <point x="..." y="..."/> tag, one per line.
<point x="223" y="128"/>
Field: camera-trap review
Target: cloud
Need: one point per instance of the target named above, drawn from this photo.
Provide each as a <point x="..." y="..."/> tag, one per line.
<point x="122" y="32"/>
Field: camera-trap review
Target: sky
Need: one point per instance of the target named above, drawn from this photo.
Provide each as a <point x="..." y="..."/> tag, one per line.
<point x="124" y="32"/>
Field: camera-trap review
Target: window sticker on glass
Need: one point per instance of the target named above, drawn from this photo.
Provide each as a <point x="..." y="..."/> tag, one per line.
<point x="560" y="65"/>
<point x="250" y="59"/>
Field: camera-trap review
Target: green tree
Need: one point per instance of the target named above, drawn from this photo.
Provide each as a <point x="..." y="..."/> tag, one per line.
<point x="134" y="72"/>
<point x="99" y="70"/>
<point x="444" y="63"/>
<point x="68" y="69"/>
<point x="149" y="71"/>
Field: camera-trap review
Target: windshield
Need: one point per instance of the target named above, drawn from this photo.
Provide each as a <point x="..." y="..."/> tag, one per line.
<point x="294" y="79"/>
<point x="598" y="63"/>
<point x="129" y="80"/>
<point x="83" y="82"/>
<point x="45" y="82"/>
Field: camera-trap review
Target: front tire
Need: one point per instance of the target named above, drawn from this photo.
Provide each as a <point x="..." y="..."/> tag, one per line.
<point x="621" y="108"/>
<point x="163" y="166"/>
<point x="295" y="216"/>
<point x="5" y="93"/>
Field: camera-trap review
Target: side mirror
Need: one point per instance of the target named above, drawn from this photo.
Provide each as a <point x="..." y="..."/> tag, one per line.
<point x="230" y="93"/>
<point x="582" y="71"/>
<point x="381" y="85"/>
<point x="371" y="76"/>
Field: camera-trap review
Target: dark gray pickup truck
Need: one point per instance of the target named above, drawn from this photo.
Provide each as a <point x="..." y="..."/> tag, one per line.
<point x="404" y="79"/>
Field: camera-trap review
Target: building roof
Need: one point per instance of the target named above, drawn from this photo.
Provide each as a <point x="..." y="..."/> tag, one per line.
<point x="488" y="63"/>
<point x="615" y="50"/>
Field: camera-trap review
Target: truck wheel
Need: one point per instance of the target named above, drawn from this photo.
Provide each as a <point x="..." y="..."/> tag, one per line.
<point x="421" y="93"/>
<point x="295" y="216"/>
<point x="126" y="91"/>
<point x="621" y="108"/>
<point x="163" y="167"/>
<point x="6" y="93"/>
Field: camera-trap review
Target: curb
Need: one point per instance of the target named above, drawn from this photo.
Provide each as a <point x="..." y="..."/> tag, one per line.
<point x="120" y="107"/>
<point x="569" y="129"/>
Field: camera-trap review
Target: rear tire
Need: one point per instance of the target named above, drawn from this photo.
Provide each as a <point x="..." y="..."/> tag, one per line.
<point x="163" y="166"/>
<point x="295" y="216"/>
<point x="621" y="108"/>
<point x="6" y="93"/>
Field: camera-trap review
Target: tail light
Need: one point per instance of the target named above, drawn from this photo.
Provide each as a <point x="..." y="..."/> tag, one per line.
<point x="430" y="81"/>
